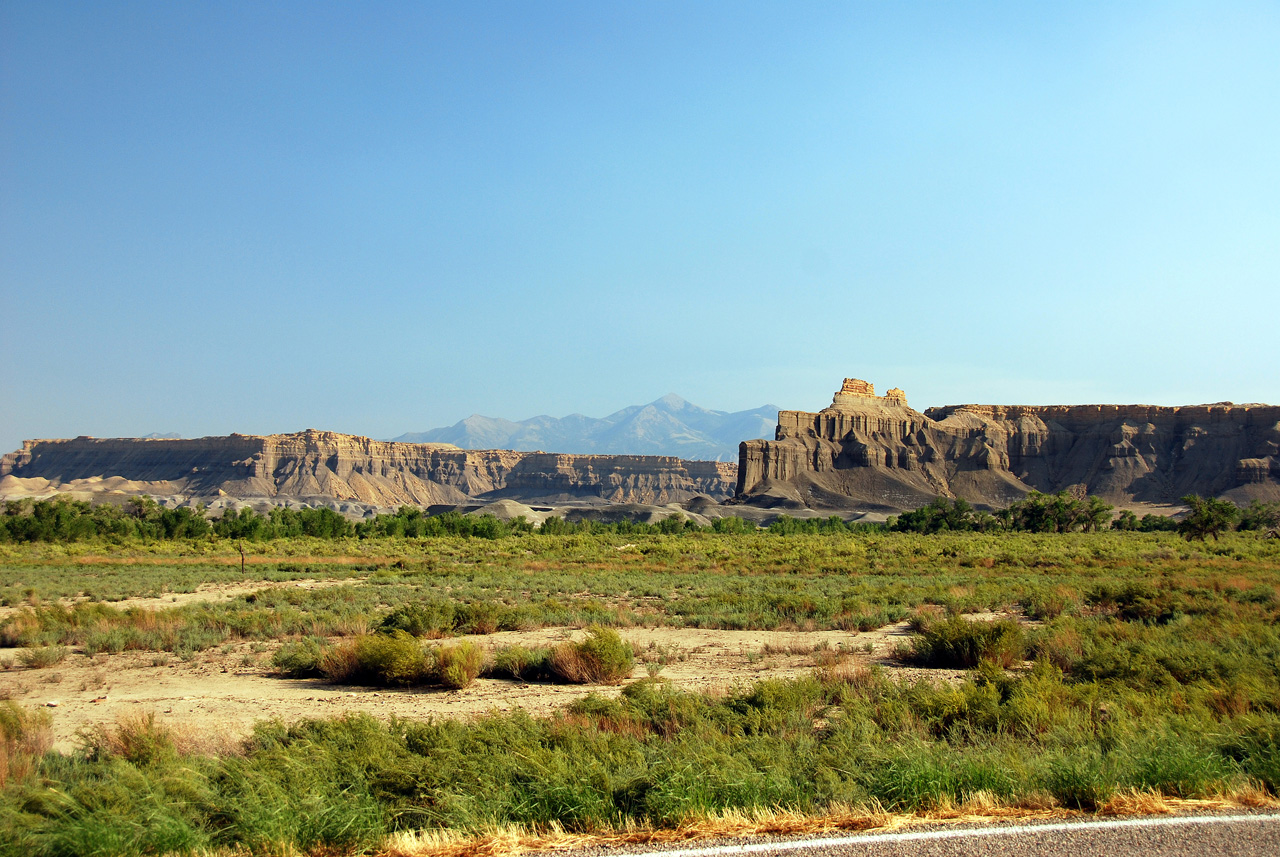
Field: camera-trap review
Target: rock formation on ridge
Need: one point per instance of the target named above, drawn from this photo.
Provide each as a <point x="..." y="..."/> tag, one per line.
<point x="876" y="453"/>
<point x="321" y="467"/>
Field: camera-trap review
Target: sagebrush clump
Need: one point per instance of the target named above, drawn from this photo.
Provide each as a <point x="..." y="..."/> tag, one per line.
<point x="457" y="665"/>
<point x="603" y="657"/>
<point x="380" y="659"/>
<point x="959" y="643"/>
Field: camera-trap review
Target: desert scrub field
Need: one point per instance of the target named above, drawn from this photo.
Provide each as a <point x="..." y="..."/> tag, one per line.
<point x="757" y="580"/>
<point x="1111" y="662"/>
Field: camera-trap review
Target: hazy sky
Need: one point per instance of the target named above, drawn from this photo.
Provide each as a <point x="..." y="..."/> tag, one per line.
<point x="380" y="218"/>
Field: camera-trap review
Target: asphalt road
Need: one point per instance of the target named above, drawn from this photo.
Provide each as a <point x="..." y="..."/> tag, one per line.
<point x="1234" y="836"/>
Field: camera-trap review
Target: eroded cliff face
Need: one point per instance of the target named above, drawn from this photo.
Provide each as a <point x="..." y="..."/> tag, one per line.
<point x="325" y="465"/>
<point x="877" y="453"/>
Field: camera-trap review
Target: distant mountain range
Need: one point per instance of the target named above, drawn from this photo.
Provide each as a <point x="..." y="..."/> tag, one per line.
<point x="668" y="426"/>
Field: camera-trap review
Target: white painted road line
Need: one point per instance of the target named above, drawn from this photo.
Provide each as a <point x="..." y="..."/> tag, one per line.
<point x="968" y="832"/>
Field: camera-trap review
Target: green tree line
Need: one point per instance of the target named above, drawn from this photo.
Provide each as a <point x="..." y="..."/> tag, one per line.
<point x="1062" y="513"/>
<point x="62" y="519"/>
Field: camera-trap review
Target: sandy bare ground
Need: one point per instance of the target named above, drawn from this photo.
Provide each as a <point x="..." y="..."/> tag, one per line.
<point x="216" y="696"/>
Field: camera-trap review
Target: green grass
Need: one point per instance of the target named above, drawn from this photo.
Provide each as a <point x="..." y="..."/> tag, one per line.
<point x="656" y="755"/>
<point x="442" y="587"/>
<point x="960" y="643"/>
<point x="1156" y="666"/>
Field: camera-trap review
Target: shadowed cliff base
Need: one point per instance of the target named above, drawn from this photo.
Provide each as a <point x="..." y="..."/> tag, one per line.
<point x="875" y="453"/>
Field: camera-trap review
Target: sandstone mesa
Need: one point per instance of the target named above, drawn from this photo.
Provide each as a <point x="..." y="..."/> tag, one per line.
<point x="862" y="454"/>
<point x="875" y="452"/>
<point x="327" y="468"/>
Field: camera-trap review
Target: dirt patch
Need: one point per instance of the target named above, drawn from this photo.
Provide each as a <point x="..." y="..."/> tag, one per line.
<point x="233" y="560"/>
<point x="208" y="593"/>
<point x="216" y="593"/>
<point x="217" y="695"/>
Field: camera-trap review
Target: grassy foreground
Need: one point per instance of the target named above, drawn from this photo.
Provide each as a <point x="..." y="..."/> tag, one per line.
<point x="1155" y="667"/>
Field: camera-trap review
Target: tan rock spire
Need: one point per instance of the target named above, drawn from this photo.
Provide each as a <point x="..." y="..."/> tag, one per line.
<point x="856" y="393"/>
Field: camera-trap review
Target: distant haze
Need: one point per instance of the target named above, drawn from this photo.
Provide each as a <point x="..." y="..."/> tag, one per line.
<point x="667" y="426"/>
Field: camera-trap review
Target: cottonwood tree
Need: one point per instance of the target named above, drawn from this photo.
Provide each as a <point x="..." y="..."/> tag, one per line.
<point x="1208" y="517"/>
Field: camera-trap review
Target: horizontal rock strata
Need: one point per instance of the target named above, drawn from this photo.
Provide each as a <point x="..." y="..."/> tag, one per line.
<point x="327" y="466"/>
<point x="877" y="453"/>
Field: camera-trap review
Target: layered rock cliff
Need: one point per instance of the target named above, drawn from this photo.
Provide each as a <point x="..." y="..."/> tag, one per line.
<point x="875" y="452"/>
<point x="326" y="466"/>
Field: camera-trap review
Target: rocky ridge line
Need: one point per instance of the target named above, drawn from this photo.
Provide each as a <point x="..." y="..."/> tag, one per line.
<point x="876" y="453"/>
<point x="327" y="466"/>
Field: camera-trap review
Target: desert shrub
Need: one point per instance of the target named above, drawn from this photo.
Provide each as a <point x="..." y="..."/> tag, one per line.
<point x="138" y="739"/>
<point x="339" y="663"/>
<point x="458" y="665"/>
<point x="663" y="709"/>
<point x="393" y="659"/>
<point x="1194" y="650"/>
<point x="1049" y="604"/>
<point x="305" y="788"/>
<point x="300" y="658"/>
<point x="25" y="735"/>
<point x="869" y="618"/>
<point x="602" y="658"/>
<point x="112" y="642"/>
<point x="568" y="665"/>
<point x="1134" y="602"/>
<point x="1264" y="596"/>
<point x="521" y="663"/>
<point x="421" y="619"/>
<point x="379" y="659"/>
<point x="1060" y="644"/>
<point x="43" y="656"/>
<point x="959" y="643"/>
<point x="478" y="617"/>
<point x="111" y="807"/>
<point x="653" y="755"/>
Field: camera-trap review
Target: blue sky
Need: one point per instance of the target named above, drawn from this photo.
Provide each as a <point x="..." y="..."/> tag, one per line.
<point x="380" y="218"/>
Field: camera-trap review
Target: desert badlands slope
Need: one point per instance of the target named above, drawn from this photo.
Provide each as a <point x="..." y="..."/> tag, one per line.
<point x="875" y="451"/>
<point x="324" y="468"/>
<point x="864" y="453"/>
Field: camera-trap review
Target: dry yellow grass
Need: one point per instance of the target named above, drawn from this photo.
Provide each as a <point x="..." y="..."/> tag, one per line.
<point x="514" y="839"/>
